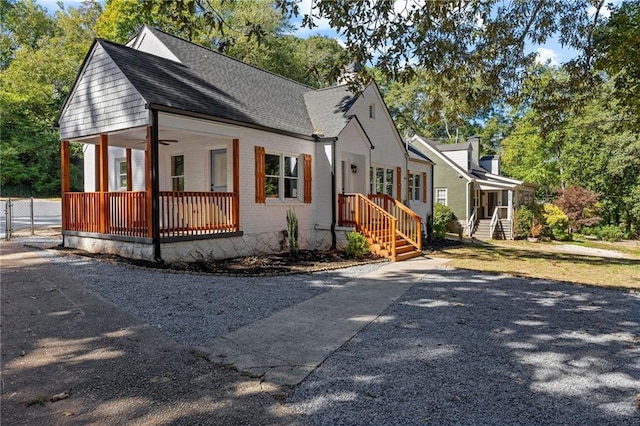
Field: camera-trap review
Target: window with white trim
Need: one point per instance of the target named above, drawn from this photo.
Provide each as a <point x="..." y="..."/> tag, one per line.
<point x="441" y="196"/>
<point x="381" y="180"/>
<point x="415" y="187"/>
<point x="177" y="173"/>
<point x="281" y="176"/>
<point x="121" y="173"/>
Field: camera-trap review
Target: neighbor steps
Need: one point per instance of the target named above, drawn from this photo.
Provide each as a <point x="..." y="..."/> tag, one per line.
<point x="502" y="231"/>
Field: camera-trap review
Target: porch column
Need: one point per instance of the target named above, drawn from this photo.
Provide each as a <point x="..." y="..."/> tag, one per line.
<point x="65" y="180"/>
<point x="236" y="183"/>
<point x="153" y="185"/>
<point x="147" y="183"/>
<point x="510" y="204"/>
<point x="129" y="171"/>
<point x="103" y="148"/>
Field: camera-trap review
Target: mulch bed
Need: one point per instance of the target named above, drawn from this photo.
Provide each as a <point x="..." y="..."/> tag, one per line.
<point x="259" y="265"/>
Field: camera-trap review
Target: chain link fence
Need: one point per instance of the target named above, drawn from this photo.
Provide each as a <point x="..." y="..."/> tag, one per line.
<point x="28" y="216"/>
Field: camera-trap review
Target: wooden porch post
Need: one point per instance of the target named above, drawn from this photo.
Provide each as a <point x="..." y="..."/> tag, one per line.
<point x="65" y="180"/>
<point x="236" y="183"/>
<point x="104" y="182"/>
<point x="148" y="182"/>
<point x="129" y="171"/>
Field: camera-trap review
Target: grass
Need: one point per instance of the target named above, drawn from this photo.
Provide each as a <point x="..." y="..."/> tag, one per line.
<point x="539" y="260"/>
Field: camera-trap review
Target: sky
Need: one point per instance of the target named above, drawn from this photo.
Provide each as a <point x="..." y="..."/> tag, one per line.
<point x="551" y="51"/>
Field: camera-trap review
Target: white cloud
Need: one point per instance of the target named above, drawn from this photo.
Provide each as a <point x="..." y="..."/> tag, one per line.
<point x="546" y="55"/>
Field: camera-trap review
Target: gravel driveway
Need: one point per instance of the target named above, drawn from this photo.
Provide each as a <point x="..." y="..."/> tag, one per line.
<point x="458" y="348"/>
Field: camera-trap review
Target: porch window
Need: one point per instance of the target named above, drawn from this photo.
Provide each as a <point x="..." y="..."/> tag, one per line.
<point x="414" y="186"/>
<point x="278" y="176"/>
<point x="121" y="173"/>
<point x="382" y="180"/>
<point x="177" y="173"/>
<point x="441" y="196"/>
<point x="281" y="176"/>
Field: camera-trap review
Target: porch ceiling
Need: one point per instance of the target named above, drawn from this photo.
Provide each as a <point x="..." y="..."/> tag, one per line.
<point x="136" y="138"/>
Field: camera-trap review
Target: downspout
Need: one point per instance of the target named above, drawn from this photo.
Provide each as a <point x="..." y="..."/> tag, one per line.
<point x="155" y="187"/>
<point x="334" y="196"/>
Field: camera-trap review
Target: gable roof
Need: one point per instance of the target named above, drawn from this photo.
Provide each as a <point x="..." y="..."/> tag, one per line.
<point x="193" y="79"/>
<point x="414" y="153"/>
<point x="327" y="109"/>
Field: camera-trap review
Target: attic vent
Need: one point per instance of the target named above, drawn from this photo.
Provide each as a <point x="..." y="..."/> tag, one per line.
<point x="372" y="111"/>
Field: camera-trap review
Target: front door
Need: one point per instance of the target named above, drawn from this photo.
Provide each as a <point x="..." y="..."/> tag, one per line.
<point x="219" y="170"/>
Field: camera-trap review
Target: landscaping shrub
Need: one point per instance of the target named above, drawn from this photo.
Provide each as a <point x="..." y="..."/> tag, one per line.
<point x="292" y="232"/>
<point x="556" y="221"/>
<point x="608" y="233"/>
<point x="357" y="245"/>
<point x="441" y="216"/>
<point x="523" y="219"/>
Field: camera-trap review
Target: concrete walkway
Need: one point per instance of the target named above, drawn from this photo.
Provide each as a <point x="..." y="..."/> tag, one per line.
<point x="285" y="347"/>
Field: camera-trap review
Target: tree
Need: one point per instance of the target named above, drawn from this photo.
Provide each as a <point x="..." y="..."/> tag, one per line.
<point x="456" y="39"/>
<point x="579" y="204"/>
<point x="617" y="43"/>
<point x="34" y="85"/>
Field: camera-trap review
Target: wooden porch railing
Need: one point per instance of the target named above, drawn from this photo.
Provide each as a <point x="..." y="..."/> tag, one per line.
<point x="409" y="223"/>
<point x="83" y="211"/>
<point x="369" y="219"/>
<point x="197" y="213"/>
<point x="181" y="213"/>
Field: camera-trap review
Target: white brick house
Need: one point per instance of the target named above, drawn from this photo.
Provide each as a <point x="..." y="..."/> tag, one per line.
<point x="189" y="152"/>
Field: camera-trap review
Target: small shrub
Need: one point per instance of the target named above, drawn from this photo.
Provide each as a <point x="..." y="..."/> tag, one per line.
<point x="609" y="233"/>
<point x="442" y="215"/>
<point x="292" y="231"/>
<point x="556" y="220"/>
<point x="523" y="219"/>
<point x="357" y="245"/>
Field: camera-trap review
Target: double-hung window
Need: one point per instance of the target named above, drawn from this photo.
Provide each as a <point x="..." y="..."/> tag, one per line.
<point x="177" y="173"/>
<point x="382" y="180"/>
<point x="441" y="196"/>
<point x="121" y="173"/>
<point x="414" y="187"/>
<point x="281" y="176"/>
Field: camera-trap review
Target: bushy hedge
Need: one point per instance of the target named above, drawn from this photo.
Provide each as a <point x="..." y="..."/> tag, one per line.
<point x="523" y="218"/>
<point x="441" y="216"/>
<point x="607" y="232"/>
<point x="357" y="245"/>
<point x="556" y="222"/>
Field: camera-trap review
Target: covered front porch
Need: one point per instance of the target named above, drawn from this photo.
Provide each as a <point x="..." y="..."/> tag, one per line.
<point x="494" y="204"/>
<point x="137" y="195"/>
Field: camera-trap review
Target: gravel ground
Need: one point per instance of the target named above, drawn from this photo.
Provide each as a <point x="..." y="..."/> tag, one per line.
<point x="459" y="348"/>
<point x="474" y="349"/>
<point x="193" y="309"/>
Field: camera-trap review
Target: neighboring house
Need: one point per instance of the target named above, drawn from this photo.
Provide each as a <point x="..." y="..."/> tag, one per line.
<point x="482" y="200"/>
<point x="189" y="152"/>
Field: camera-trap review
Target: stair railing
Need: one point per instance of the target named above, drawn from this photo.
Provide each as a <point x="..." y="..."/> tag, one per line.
<point x="494" y="222"/>
<point x="374" y="223"/>
<point x="471" y="223"/>
<point x="409" y="223"/>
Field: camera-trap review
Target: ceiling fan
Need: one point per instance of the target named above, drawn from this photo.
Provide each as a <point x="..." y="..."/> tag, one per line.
<point x="164" y="142"/>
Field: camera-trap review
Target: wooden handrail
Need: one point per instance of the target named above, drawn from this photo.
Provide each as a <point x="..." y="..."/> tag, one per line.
<point x="197" y="213"/>
<point x="409" y="223"/>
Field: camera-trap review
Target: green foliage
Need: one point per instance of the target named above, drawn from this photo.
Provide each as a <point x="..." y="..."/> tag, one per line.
<point x="292" y="232"/>
<point x="523" y="219"/>
<point x="608" y="232"/>
<point x="556" y="220"/>
<point x="442" y="215"/>
<point x="357" y="246"/>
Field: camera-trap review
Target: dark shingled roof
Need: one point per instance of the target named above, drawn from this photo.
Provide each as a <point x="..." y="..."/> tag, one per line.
<point x="444" y="147"/>
<point x="210" y="83"/>
<point x="418" y="154"/>
<point x="327" y="109"/>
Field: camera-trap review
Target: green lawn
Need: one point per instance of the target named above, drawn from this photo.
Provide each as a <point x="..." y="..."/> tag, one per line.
<point x="540" y="260"/>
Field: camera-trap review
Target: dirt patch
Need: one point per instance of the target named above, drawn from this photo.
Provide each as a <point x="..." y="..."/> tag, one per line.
<point x="259" y="265"/>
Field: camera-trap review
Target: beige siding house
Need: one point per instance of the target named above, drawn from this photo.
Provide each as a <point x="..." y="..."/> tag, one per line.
<point x="190" y="152"/>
